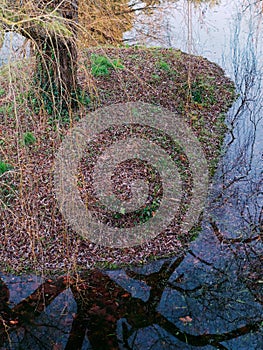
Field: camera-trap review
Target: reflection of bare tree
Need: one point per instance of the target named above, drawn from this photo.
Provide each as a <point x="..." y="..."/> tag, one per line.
<point x="28" y="309"/>
<point x="110" y="316"/>
<point x="239" y="206"/>
<point x="250" y="260"/>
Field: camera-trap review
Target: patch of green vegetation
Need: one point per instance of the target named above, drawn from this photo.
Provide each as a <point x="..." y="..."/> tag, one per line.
<point x="54" y="105"/>
<point x="134" y="56"/>
<point x="220" y="124"/>
<point x="203" y="92"/>
<point x="148" y="212"/>
<point x="83" y="98"/>
<point x="176" y="53"/>
<point x="29" y="138"/>
<point x="105" y="265"/>
<point x="7" y="268"/>
<point x="138" y="47"/>
<point x="7" y="189"/>
<point x="194" y="232"/>
<point x="213" y="166"/>
<point x="101" y="65"/>
<point x="156" y="77"/>
<point x="163" y="65"/>
<point x="7" y="110"/>
<point x="2" y="92"/>
<point x="4" y="167"/>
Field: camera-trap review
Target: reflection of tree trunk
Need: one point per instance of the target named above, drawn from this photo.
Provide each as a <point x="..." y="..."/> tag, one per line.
<point x="102" y="303"/>
<point x="4" y="295"/>
<point x="5" y="312"/>
<point x="99" y="301"/>
<point x="78" y="331"/>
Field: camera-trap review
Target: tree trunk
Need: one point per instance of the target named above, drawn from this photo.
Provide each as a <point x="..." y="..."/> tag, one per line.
<point x="56" y="75"/>
<point x="56" y="58"/>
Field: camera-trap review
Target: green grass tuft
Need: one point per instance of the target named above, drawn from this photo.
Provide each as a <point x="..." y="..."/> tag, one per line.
<point x="29" y="138"/>
<point x="4" y="167"/>
<point x="101" y="65"/>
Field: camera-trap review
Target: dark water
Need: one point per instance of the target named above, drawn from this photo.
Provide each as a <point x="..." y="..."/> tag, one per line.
<point x="211" y="297"/>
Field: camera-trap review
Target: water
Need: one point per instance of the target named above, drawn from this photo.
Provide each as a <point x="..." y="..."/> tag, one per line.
<point x="211" y="298"/>
<point x="13" y="47"/>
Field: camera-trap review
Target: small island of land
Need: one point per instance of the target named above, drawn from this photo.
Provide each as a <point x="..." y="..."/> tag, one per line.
<point x="33" y="234"/>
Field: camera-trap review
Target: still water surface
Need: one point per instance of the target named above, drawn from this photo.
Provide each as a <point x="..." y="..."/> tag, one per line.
<point x="212" y="297"/>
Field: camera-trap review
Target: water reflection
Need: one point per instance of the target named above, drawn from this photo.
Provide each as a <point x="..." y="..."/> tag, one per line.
<point x="208" y="298"/>
<point x="187" y="302"/>
<point x="239" y="202"/>
<point x="13" y="47"/>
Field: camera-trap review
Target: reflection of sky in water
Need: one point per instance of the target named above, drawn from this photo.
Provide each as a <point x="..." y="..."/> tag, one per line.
<point x="209" y="28"/>
<point x="242" y="165"/>
<point x="229" y="34"/>
<point x="11" y="48"/>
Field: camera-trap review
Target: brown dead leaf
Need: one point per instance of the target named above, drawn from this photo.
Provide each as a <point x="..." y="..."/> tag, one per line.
<point x="14" y="322"/>
<point x="186" y="319"/>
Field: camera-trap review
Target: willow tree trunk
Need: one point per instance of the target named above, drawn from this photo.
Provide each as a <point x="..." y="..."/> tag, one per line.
<point x="56" y="75"/>
<point x="56" y="57"/>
